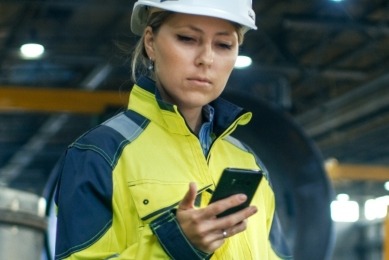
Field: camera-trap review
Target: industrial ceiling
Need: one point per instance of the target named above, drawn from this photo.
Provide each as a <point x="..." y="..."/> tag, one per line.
<point x="324" y="63"/>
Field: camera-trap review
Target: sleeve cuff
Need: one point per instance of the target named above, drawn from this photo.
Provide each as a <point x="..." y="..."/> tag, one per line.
<point x="173" y="240"/>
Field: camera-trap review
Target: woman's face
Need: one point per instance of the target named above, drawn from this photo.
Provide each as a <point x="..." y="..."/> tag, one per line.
<point x="193" y="58"/>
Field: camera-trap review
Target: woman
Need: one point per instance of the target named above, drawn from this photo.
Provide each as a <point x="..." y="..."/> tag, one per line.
<point x="123" y="188"/>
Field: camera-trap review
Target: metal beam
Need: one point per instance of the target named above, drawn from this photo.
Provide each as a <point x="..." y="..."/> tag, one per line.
<point x="53" y="100"/>
<point x="59" y="100"/>
<point x="97" y="76"/>
<point x="330" y="73"/>
<point x="25" y="155"/>
<point x="335" y="25"/>
<point x="334" y="119"/>
<point x="121" y="5"/>
<point x="346" y="108"/>
<point x="338" y="139"/>
<point x="355" y="172"/>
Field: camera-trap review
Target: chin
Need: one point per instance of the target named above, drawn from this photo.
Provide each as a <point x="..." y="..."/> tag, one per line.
<point x="194" y="104"/>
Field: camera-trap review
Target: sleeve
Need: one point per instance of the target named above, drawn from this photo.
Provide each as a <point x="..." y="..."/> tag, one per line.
<point x="173" y="240"/>
<point x="85" y="212"/>
<point x="84" y="201"/>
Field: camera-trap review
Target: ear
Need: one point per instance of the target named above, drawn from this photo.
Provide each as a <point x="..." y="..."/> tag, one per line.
<point x="149" y="42"/>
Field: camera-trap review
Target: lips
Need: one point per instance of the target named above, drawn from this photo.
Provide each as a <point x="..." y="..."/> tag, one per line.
<point x="201" y="80"/>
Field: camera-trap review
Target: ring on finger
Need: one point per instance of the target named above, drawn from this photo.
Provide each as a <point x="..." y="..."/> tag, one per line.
<point x="224" y="234"/>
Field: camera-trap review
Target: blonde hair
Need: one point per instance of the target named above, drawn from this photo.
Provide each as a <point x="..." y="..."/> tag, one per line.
<point x="140" y="61"/>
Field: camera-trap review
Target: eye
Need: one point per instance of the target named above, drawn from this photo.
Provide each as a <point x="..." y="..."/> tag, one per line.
<point x="225" y="46"/>
<point x="184" y="38"/>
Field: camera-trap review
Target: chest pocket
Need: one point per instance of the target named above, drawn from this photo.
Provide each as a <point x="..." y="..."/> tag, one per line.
<point x="152" y="198"/>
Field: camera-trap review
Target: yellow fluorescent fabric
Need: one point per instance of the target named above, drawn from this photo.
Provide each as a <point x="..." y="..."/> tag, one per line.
<point x="152" y="174"/>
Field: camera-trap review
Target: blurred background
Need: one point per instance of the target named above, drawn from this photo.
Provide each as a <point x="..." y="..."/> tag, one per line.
<point x="315" y="74"/>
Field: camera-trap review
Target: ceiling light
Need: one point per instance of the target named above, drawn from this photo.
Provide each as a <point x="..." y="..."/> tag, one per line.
<point x="344" y="211"/>
<point x="376" y="208"/>
<point x="342" y="197"/>
<point x="386" y="185"/>
<point x="242" y="62"/>
<point x="32" y="50"/>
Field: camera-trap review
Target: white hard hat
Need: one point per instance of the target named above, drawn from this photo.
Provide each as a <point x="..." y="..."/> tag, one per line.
<point x="238" y="11"/>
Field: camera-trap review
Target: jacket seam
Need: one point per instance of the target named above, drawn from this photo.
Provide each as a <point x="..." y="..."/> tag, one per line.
<point x="85" y="244"/>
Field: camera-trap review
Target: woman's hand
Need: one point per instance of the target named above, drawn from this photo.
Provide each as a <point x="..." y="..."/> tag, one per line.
<point x="203" y="229"/>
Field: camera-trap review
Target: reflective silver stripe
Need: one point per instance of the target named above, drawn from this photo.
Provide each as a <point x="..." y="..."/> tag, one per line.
<point x="236" y="142"/>
<point x="125" y="126"/>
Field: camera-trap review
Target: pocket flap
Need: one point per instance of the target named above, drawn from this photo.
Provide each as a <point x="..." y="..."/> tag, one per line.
<point x="152" y="198"/>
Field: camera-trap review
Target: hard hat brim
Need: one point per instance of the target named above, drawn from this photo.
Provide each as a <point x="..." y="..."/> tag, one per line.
<point x="138" y="18"/>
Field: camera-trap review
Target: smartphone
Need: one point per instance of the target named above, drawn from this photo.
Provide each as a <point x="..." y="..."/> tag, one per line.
<point x="234" y="181"/>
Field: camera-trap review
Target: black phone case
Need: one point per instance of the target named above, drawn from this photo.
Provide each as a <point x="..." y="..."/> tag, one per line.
<point x="234" y="181"/>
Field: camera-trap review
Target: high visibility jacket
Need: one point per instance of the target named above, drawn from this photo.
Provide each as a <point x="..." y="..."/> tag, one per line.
<point x="120" y="182"/>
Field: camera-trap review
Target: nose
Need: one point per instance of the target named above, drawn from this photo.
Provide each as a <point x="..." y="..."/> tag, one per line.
<point x="205" y="55"/>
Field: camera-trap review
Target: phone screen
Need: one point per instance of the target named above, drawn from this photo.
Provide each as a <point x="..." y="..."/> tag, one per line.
<point x="234" y="181"/>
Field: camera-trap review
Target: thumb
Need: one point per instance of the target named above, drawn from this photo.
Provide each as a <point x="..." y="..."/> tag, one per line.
<point x="189" y="199"/>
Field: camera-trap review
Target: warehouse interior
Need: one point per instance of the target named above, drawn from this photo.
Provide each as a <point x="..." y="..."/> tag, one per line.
<point x="318" y="81"/>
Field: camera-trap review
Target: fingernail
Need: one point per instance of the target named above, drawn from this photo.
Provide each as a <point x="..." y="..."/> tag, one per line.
<point x="242" y="197"/>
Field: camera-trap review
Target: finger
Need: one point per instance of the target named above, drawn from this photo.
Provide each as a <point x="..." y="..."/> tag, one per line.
<point x="213" y="241"/>
<point x="234" y="223"/>
<point x="238" y="217"/>
<point x="189" y="199"/>
<point x="216" y="240"/>
<point x="240" y="227"/>
<point x="220" y="206"/>
<point x="237" y="221"/>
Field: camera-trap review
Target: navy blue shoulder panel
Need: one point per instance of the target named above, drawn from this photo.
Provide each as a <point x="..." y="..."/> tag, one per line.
<point x="84" y="200"/>
<point x="84" y="191"/>
<point x="109" y="138"/>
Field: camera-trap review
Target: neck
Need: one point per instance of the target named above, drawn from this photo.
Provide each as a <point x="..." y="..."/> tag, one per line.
<point x="193" y="116"/>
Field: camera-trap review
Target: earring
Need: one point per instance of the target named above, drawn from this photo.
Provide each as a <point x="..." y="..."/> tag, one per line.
<point x="151" y="65"/>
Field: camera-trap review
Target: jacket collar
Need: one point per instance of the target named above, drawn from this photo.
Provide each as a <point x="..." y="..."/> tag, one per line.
<point x="146" y="100"/>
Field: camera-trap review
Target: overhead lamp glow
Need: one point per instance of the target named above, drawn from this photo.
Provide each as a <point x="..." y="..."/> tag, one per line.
<point x="242" y="62"/>
<point x="32" y="50"/>
<point x="342" y="197"/>
<point x="386" y="185"/>
<point x="376" y="208"/>
<point x="344" y="210"/>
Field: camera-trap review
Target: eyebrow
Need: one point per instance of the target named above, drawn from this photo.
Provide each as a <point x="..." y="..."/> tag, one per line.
<point x="194" y="28"/>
